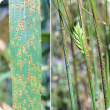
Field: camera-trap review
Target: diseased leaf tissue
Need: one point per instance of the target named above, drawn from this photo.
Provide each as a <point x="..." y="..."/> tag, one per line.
<point x="25" y="44"/>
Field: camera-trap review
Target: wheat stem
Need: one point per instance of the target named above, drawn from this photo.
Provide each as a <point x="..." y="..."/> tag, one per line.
<point x="104" y="82"/>
<point x="87" y="56"/>
<point x="66" y="60"/>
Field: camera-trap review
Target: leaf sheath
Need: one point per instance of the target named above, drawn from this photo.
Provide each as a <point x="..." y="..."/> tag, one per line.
<point x="87" y="56"/>
<point x="67" y="60"/>
<point x="104" y="82"/>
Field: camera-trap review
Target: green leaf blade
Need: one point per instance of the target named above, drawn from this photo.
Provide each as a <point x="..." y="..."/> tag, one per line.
<point x="26" y="56"/>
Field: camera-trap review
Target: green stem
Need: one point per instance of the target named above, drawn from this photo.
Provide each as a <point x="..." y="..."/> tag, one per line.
<point x="106" y="50"/>
<point x="74" y="65"/>
<point x="87" y="56"/>
<point x="67" y="61"/>
<point x="94" y="67"/>
<point x="66" y="13"/>
<point x="107" y="68"/>
<point x="58" y="8"/>
<point x="104" y="82"/>
<point x="75" y="74"/>
<point x="79" y="13"/>
<point x="107" y="43"/>
<point x="90" y="33"/>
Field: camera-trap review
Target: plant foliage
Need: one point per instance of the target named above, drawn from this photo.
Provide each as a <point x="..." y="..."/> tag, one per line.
<point x="26" y="55"/>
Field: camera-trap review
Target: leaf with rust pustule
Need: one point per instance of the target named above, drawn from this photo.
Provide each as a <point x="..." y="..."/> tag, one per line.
<point x="25" y="45"/>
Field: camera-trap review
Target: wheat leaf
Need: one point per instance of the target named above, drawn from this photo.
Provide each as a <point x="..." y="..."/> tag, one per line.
<point x="26" y="53"/>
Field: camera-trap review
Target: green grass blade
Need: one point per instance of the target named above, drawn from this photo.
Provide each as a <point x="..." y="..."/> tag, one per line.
<point x="66" y="13"/>
<point x="90" y="34"/>
<point x="58" y="8"/>
<point x="67" y="61"/>
<point x="107" y="50"/>
<point x="87" y="56"/>
<point x="74" y="56"/>
<point x="72" y="14"/>
<point x="104" y="82"/>
<point x="26" y="55"/>
<point x="75" y="75"/>
<point x="107" y="69"/>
